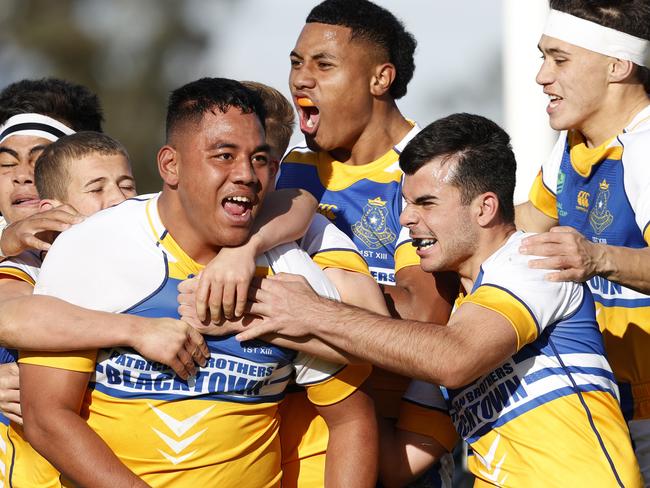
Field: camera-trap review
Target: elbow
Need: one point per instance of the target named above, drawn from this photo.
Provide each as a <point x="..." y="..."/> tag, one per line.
<point x="454" y="374"/>
<point x="38" y="428"/>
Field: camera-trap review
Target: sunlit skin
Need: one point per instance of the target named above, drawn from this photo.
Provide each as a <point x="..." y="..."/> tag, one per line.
<point x="217" y="172"/>
<point x="18" y="195"/>
<point x="598" y="105"/>
<point x="437" y="219"/>
<point x="332" y="80"/>
<point x="99" y="181"/>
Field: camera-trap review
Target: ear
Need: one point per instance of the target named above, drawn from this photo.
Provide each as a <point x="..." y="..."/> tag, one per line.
<point x="487" y="208"/>
<point x="382" y="79"/>
<point x="620" y="70"/>
<point x="168" y="165"/>
<point x="48" y="204"/>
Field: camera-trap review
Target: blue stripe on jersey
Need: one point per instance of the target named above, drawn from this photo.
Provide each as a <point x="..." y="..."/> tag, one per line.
<point x="564" y="371"/>
<point x="578" y="390"/>
<point x="8" y="355"/>
<point x="622" y="302"/>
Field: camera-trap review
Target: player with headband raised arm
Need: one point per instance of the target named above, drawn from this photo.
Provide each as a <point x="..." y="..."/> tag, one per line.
<point x="596" y="184"/>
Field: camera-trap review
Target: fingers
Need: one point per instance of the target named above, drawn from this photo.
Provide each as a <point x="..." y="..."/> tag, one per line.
<point x="188" y="286"/>
<point x="200" y="351"/>
<point x="202" y="293"/>
<point x="227" y="301"/>
<point x="242" y="294"/>
<point x="255" y="329"/>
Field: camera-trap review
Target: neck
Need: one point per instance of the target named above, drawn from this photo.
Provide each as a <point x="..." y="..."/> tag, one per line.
<point x="387" y="127"/>
<point x="183" y="231"/>
<point x="616" y="112"/>
<point x="490" y="241"/>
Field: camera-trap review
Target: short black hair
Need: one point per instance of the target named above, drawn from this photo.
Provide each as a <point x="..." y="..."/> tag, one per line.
<point x="191" y="101"/>
<point x="70" y="103"/>
<point x="629" y="16"/>
<point x="482" y="151"/>
<point x="377" y="25"/>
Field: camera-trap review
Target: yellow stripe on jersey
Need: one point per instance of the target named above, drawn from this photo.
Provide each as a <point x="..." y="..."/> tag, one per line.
<point x="646" y="234"/>
<point x="305" y="157"/>
<point x="583" y="158"/>
<point x="16" y="273"/>
<point x="82" y="361"/>
<point x="347" y="259"/>
<point x="429" y="422"/>
<point x="339" y="387"/>
<point x="405" y="256"/>
<point x="515" y="312"/>
<point x="542" y="198"/>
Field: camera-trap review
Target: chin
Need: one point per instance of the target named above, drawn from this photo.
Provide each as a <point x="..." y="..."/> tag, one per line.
<point x="234" y="238"/>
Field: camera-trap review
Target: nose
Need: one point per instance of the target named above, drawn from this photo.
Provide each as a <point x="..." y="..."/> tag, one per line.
<point x="302" y="78"/>
<point x="24" y="174"/>
<point x="409" y="216"/>
<point x="544" y="75"/>
<point x="243" y="172"/>
<point x="114" y="196"/>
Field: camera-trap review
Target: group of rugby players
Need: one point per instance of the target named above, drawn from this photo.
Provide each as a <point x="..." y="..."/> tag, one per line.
<point x="263" y="324"/>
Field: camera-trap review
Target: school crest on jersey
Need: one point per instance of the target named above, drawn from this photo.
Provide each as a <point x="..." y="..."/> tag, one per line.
<point x="372" y="228"/>
<point x="600" y="217"/>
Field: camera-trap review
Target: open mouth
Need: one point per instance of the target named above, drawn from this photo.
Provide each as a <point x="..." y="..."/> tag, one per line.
<point x="238" y="206"/>
<point x="309" y="115"/>
<point x="422" y="244"/>
<point x="25" y="201"/>
<point x="554" y="102"/>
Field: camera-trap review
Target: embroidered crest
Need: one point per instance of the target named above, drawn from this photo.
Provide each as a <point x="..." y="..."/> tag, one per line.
<point x="600" y="217"/>
<point x="372" y="228"/>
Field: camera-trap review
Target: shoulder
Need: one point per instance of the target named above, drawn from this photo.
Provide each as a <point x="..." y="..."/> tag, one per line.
<point x="301" y="154"/>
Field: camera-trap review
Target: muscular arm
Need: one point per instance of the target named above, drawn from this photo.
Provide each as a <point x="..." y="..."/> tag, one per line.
<point x="475" y="341"/>
<point x="352" y="449"/>
<point x="51" y="400"/>
<point x="530" y="219"/>
<point x="13" y="287"/>
<point x="423" y="296"/>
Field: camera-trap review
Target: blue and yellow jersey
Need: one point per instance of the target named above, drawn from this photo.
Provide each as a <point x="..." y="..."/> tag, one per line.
<point x="604" y="193"/>
<point x="549" y="415"/>
<point x="363" y="201"/>
<point x="220" y="428"/>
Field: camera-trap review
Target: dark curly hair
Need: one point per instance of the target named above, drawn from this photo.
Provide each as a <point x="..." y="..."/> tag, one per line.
<point x="70" y="103"/>
<point x="377" y="25"/>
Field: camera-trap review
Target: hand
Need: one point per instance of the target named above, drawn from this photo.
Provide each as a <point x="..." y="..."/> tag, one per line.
<point x="187" y="311"/>
<point x="286" y="305"/>
<point x="224" y="283"/>
<point x="171" y="342"/>
<point x="10" y="392"/>
<point x="567" y="251"/>
<point x="36" y="231"/>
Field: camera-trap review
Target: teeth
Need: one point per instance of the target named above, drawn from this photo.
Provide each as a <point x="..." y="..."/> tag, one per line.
<point x="424" y="243"/>
<point x="239" y="199"/>
<point x="310" y="123"/>
<point x="554" y="98"/>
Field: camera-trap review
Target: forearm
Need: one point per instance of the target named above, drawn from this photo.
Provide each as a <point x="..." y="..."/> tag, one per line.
<point x="314" y="346"/>
<point x="530" y="219"/>
<point x="285" y="217"/>
<point x="402" y="346"/>
<point x="45" y="323"/>
<point x="626" y="266"/>
<point x="77" y="451"/>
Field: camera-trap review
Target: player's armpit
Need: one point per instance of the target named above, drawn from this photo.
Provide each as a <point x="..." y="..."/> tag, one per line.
<point x="352" y="450"/>
<point x="422" y="296"/>
<point x="530" y="219"/>
<point x="51" y="400"/>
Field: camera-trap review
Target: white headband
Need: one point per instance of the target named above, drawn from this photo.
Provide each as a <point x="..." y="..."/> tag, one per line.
<point x="597" y="38"/>
<point x="34" y="125"/>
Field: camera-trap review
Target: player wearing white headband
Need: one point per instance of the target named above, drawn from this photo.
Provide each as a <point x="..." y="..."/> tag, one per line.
<point x="596" y="183"/>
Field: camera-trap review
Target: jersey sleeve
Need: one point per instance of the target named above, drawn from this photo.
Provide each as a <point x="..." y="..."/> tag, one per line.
<point x="330" y="247"/>
<point x="328" y="383"/>
<point x="524" y="297"/>
<point x="405" y="253"/>
<point x="543" y="193"/>
<point x="637" y="178"/>
<point x="423" y="410"/>
<point x="299" y="169"/>
<point x="25" y="267"/>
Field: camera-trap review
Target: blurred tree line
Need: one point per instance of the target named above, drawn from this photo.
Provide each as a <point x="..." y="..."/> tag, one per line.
<point x="130" y="53"/>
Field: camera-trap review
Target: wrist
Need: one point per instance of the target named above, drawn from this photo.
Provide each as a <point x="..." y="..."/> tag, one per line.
<point x="131" y="333"/>
<point x="604" y="265"/>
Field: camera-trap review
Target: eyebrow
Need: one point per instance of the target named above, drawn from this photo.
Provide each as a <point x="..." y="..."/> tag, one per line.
<point x="40" y="147"/>
<point x="101" y="179"/>
<point x="424" y="199"/>
<point x="32" y="151"/>
<point x="9" y="151"/>
<point x="321" y="55"/>
<point x="554" y="50"/>
<point x="262" y="148"/>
